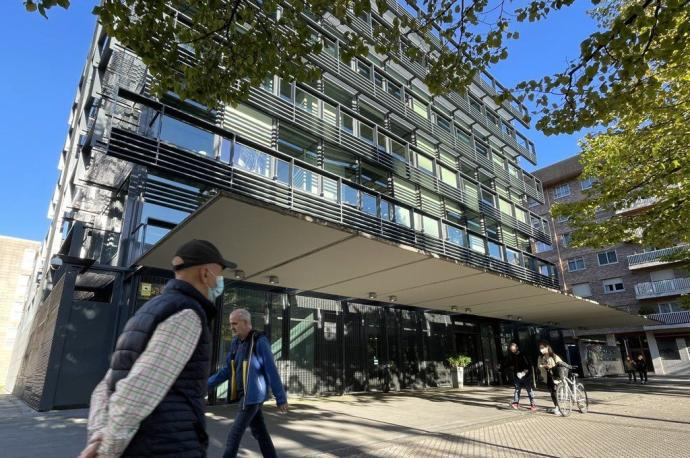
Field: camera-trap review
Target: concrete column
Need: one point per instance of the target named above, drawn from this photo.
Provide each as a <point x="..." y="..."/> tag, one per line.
<point x="611" y="340"/>
<point x="683" y="349"/>
<point x="654" y="351"/>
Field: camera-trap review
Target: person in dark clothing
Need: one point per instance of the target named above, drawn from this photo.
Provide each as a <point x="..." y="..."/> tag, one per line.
<point x="151" y="400"/>
<point x="641" y="366"/>
<point x="250" y="372"/>
<point x="630" y="369"/>
<point x="518" y="364"/>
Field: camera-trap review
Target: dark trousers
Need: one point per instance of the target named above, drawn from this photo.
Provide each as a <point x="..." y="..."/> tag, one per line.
<point x="632" y="376"/>
<point x="526" y="383"/>
<point x="251" y="416"/>
<point x="551" y="385"/>
<point x="643" y="375"/>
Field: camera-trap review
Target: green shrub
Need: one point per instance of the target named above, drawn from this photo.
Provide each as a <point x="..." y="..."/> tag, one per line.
<point x="459" y="361"/>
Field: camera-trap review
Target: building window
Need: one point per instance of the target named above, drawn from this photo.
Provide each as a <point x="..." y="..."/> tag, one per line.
<point x="562" y="190"/>
<point x="475" y="104"/>
<point x="669" y="307"/>
<point x="607" y="257"/>
<point x="477" y="244"/>
<point x="566" y="239"/>
<point x="542" y="247"/>
<point x="513" y="257"/>
<point x="455" y="235"/>
<point x="495" y="251"/>
<point x="576" y="264"/>
<point x="443" y="122"/>
<point x="425" y="164"/>
<point x="562" y="219"/>
<point x="586" y="183"/>
<point x="613" y="285"/>
<point x="449" y="177"/>
<point x="531" y="203"/>
<point x="668" y="348"/>
<point x="582" y="290"/>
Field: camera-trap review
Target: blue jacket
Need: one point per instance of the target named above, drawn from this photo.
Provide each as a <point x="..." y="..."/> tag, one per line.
<point x="258" y="373"/>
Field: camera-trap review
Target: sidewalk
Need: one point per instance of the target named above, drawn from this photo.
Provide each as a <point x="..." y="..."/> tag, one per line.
<point x="624" y="420"/>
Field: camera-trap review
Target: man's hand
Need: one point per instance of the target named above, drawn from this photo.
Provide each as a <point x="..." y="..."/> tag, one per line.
<point x="91" y="450"/>
<point x="283" y="408"/>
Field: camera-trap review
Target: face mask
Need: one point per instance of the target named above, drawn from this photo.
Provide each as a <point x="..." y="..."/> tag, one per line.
<point x="544" y="351"/>
<point x="216" y="291"/>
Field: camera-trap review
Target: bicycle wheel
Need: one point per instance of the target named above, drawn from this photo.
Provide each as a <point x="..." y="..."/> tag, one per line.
<point x="564" y="398"/>
<point x="582" y="399"/>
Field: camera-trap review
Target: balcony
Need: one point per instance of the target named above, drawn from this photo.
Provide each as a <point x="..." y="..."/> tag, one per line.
<point x="639" y="204"/>
<point x="661" y="288"/>
<point x="654" y="258"/>
<point x="672" y="317"/>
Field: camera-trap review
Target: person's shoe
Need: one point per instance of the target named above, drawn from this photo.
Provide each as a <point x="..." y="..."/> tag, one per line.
<point x="556" y="411"/>
<point x="515" y="405"/>
<point x="533" y="408"/>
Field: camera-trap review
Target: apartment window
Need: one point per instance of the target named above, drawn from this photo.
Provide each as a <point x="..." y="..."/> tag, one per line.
<point x="542" y="247"/>
<point x="463" y="137"/>
<point x="495" y="251"/>
<point x="341" y="163"/>
<point x="491" y="116"/>
<point x="477" y="244"/>
<point x="418" y="107"/>
<point x="566" y="239"/>
<point x="363" y="68"/>
<point x="586" y="183"/>
<point x="505" y="207"/>
<point x="453" y="212"/>
<point x="562" y="190"/>
<point x="475" y="104"/>
<point x="455" y="235"/>
<point x="443" y="122"/>
<point x="285" y="90"/>
<point x="613" y="285"/>
<point x="298" y="145"/>
<point x="449" y="177"/>
<point x="366" y="132"/>
<point x="513" y="257"/>
<point x="426" y="164"/>
<point x="306" y="102"/>
<point x="402" y="216"/>
<point x="669" y="307"/>
<point x="607" y="257"/>
<point x="186" y="136"/>
<point x="576" y="264"/>
<point x="582" y="290"/>
<point x="374" y="178"/>
<point x="487" y="197"/>
<point x="482" y="149"/>
<point x="531" y="203"/>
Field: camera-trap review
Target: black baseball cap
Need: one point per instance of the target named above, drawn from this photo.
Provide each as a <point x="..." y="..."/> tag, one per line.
<point x="198" y="252"/>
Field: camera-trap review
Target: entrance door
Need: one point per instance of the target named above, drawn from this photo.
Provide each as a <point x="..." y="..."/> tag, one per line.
<point x="376" y="351"/>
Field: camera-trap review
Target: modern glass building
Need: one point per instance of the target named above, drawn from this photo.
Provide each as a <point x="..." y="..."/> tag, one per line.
<point x="378" y="229"/>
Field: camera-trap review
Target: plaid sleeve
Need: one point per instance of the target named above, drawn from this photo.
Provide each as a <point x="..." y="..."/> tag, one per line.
<point x="149" y="380"/>
<point x="98" y="408"/>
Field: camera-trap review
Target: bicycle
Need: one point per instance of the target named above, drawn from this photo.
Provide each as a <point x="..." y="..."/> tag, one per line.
<point x="571" y="391"/>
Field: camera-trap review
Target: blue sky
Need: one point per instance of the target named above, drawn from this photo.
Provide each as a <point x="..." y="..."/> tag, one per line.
<point x="43" y="59"/>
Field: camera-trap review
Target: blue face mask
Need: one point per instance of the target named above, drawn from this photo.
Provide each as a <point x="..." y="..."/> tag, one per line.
<point x="215" y="292"/>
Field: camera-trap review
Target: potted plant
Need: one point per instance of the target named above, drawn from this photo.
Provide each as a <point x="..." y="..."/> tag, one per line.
<point x="458" y="362"/>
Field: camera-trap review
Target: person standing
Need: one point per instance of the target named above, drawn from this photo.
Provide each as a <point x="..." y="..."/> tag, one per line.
<point x="250" y="370"/>
<point x="641" y="366"/>
<point x="549" y="361"/>
<point x="630" y="369"/>
<point x="151" y="400"/>
<point x="518" y="364"/>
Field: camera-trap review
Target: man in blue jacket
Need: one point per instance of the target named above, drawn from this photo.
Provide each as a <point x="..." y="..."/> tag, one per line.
<point x="250" y="371"/>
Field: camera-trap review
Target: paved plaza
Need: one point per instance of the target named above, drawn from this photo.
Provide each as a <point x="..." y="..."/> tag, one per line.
<point x="624" y="420"/>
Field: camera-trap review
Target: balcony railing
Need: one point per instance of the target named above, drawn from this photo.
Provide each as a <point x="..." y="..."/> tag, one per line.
<point x="672" y="317"/>
<point x="672" y="287"/>
<point x="654" y="258"/>
<point x="638" y="205"/>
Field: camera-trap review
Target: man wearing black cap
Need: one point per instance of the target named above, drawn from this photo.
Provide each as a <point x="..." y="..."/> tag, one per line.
<point x="151" y="400"/>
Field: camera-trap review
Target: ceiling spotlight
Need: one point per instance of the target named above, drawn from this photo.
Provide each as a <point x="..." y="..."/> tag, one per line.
<point x="273" y="280"/>
<point x="239" y="275"/>
<point x="468" y="310"/>
<point x="453" y="308"/>
<point x="372" y="295"/>
<point x="393" y="298"/>
<point x="519" y="318"/>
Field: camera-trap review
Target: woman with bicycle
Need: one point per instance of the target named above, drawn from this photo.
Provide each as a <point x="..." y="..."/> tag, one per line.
<point x="550" y="362"/>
